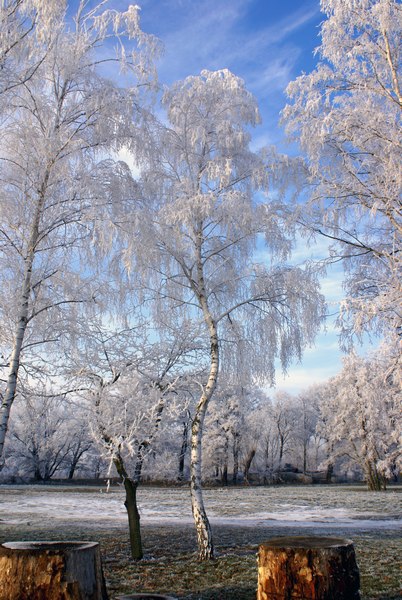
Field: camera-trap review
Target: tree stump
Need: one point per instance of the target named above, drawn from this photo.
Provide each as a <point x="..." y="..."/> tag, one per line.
<point x="51" y="571"/>
<point x="308" y="568"/>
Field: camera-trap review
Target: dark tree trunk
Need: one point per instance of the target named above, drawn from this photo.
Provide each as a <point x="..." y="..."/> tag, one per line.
<point x="312" y="568"/>
<point x="130" y="486"/>
<point x="51" y="571"/>
<point x="133" y="518"/>
<point x="236" y="450"/>
<point x="71" y="470"/>
<point x="224" y="478"/>
<point x="330" y="470"/>
<point x="247" y="464"/>
<point x="304" y="457"/>
<point x="75" y="460"/>
<point x="376" y="482"/>
<point x="183" y="450"/>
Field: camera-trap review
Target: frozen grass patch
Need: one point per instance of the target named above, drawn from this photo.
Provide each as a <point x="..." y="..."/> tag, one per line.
<point x="170" y="564"/>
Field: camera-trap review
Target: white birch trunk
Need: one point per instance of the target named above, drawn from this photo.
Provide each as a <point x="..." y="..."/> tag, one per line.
<point x="201" y="522"/>
<point x="22" y="322"/>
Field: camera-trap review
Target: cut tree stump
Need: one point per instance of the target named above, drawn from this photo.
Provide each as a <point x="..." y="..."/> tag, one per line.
<point x="51" y="571"/>
<point x="308" y="568"/>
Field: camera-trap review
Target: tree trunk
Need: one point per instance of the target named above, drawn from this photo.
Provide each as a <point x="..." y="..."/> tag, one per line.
<point x="77" y="455"/>
<point x="304" y="457"/>
<point x="376" y="482"/>
<point x="183" y="451"/>
<point x="201" y="522"/>
<point x="247" y="464"/>
<point x="330" y="470"/>
<point x="236" y="451"/>
<point x="133" y="518"/>
<point x="224" y="478"/>
<point x="130" y="503"/>
<point x="22" y="322"/>
<point x="145" y="596"/>
<point x="312" y="568"/>
<point x="51" y="570"/>
<point x="224" y="475"/>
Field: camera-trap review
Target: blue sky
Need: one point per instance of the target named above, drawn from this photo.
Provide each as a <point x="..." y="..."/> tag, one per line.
<point x="268" y="43"/>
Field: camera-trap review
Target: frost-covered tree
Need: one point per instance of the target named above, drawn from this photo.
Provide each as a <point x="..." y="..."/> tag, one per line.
<point x="271" y="434"/>
<point x="361" y="418"/>
<point x="306" y="416"/>
<point x="307" y="430"/>
<point x="346" y="115"/>
<point x="48" y="436"/>
<point x="58" y="189"/>
<point x="284" y="417"/>
<point x="225" y="427"/>
<point x="131" y="378"/>
<point x="205" y="212"/>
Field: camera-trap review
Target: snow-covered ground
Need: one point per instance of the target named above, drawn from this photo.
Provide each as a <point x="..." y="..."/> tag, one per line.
<point x="314" y="506"/>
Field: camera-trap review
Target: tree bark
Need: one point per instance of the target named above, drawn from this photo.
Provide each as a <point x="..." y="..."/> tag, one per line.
<point x="330" y="470"/>
<point x="201" y="522"/>
<point x="236" y="451"/>
<point x="51" y="570"/>
<point x="22" y="321"/>
<point x="312" y="568"/>
<point x="133" y="514"/>
<point x="133" y="518"/>
<point x="247" y="464"/>
<point x="183" y="450"/>
<point x="376" y="482"/>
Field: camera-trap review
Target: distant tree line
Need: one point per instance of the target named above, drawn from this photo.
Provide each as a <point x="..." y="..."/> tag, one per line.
<point x="346" y="429"/>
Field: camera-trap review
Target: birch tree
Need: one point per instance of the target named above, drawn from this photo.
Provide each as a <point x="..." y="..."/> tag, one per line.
<point x="346" y="114"/>
<point x="58" y="188"/>
<point x="203" y="219"/>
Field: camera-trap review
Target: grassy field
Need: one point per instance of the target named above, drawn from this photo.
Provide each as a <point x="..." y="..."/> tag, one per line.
<point x="170" y="565"/>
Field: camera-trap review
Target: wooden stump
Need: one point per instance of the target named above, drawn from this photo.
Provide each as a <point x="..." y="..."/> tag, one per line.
<point x="308" y="568"/>
<point x="51" y="571"/>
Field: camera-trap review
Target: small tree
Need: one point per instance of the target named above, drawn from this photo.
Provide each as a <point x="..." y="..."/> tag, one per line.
<point x="131" y="383"/>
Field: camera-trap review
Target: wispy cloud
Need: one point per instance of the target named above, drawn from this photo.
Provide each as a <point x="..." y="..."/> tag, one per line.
<point x="301" y="378"/>
<point x="210" y="34"/>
